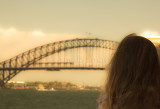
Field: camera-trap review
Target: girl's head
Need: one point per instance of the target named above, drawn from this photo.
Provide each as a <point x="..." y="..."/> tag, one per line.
<point x="134" y="75"/>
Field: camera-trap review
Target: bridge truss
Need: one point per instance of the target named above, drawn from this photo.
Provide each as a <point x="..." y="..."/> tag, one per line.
<point x="30" y="60"/>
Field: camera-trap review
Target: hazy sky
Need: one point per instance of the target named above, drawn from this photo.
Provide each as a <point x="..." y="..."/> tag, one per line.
<point x="29" y="23"/>
<point x="110" y="19"/>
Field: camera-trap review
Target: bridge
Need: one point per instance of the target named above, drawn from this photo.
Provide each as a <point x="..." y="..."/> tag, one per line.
<point x="87" y="54"/>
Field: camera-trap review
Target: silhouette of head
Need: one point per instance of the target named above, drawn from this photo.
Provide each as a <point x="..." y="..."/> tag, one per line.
<point x="133" y="75"/>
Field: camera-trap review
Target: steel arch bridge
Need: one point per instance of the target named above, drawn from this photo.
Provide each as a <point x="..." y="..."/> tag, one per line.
<point x="28" y="60"/>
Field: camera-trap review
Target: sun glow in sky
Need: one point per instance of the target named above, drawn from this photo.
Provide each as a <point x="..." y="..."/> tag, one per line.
<point x="152" y="36"/>
<point x="149" y="34"/>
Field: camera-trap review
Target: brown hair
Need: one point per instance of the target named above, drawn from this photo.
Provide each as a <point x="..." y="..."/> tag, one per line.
<point x="158" y="50"/>
<point x="134" y="76"/>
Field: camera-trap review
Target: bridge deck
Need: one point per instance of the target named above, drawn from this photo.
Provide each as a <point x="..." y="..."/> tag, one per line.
<point x="56" y="68"/>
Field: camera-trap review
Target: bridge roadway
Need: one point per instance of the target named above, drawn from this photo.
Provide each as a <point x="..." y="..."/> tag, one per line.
<point x="55" y="68"/>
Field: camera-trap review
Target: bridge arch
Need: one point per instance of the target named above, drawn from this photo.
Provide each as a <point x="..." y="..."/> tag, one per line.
<point x="10" y="67"/>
